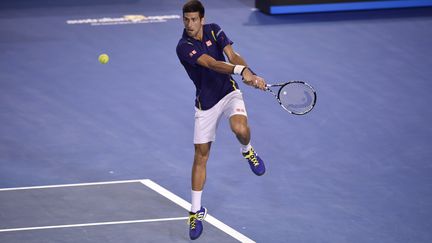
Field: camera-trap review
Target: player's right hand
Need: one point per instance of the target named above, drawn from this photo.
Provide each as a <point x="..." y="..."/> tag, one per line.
<point x="253" y="80"/>
<point x="259" y="83"/>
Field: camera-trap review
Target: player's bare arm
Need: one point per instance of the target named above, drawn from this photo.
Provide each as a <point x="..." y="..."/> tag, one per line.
<point x="227" y="68"/>
<point x="248" y="77"/>
<point x="213" y="64"/>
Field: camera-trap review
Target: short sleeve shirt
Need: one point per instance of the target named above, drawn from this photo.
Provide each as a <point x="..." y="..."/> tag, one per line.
<point x="210" y="85"/>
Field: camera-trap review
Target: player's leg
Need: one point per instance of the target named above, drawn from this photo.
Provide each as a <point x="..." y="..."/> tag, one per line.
<point x="236" y="111"/>
<point x="202" y="152"/>
<point x="198" y="213"/>
<point x="240" y="128"/>
<point x="206" y="123"/>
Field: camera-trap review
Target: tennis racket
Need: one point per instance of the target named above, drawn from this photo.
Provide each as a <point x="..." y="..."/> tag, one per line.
<point x="296" y="97"/>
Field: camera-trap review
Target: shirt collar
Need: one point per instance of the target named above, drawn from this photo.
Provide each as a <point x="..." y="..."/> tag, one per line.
<point x="187" y="37"/>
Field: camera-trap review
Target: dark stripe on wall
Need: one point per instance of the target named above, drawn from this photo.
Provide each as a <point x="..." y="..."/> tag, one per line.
<point x="308" y="6"/>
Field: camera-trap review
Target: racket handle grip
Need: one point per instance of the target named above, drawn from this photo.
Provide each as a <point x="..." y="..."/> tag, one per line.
<point x="272" y="85"/>
<point x="275" y="85"/>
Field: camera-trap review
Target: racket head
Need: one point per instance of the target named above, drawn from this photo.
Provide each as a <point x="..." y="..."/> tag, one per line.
<point x="297" y="97"/>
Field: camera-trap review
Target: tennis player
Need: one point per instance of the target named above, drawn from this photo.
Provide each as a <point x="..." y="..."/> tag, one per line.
<point x="201" y="51"/>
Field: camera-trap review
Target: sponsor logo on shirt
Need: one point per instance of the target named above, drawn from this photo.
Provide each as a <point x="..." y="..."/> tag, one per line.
<point x="208" y="43"/>
<point x="192" y="53"/>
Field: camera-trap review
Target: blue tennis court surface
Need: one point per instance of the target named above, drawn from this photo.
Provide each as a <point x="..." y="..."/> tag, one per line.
<point x="356" y="169"/>
<point x="131" y="211"/>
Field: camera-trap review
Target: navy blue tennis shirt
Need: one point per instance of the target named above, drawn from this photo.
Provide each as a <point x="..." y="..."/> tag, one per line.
<point x="210" y="86"/>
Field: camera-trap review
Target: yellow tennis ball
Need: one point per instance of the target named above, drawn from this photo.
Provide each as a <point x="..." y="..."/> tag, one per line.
<point x="103" y="58"/>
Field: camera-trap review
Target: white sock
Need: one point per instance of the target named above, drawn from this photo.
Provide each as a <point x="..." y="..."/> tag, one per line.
<point x="245" y="148"/>
<point x="196" y="201"/>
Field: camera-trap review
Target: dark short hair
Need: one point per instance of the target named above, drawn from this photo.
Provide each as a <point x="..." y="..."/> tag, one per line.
<point x="194" y="6"/>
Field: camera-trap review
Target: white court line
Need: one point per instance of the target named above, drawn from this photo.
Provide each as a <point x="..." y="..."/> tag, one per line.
<point x="92" y="224"/>
<point x="149" y="183"/>
<point x="184" y="204"/>
<point x="68" y="185"/>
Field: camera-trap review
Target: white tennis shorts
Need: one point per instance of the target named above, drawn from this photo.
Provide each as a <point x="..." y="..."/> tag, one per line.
<point x="207" y="121"/>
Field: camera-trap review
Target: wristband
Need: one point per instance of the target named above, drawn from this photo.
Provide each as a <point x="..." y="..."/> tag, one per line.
<point x="238" y="69"/>
<point x="251" y="71"/>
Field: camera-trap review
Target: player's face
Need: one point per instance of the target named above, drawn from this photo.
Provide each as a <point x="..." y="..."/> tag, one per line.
<point x="193" y="24"/>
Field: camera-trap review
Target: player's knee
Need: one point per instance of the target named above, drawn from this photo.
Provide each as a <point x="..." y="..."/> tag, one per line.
<point x="201" y="156"/>
<point x="200" y="159"/>
<point x="241" y="130"/>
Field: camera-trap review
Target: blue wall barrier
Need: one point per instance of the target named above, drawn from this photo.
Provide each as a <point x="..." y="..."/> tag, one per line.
<point x="308" y="6"/>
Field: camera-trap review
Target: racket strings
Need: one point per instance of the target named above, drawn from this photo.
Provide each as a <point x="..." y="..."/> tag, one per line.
<point x="298" y="98"/>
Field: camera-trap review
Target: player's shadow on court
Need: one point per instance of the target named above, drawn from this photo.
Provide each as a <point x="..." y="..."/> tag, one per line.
<point x="260" y="18"/>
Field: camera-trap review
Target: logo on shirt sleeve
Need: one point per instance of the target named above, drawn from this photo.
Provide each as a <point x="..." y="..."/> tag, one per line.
<point x="193" y="52"/>
<point x="208" y="43"/>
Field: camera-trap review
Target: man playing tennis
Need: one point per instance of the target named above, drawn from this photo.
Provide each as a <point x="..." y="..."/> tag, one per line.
<point x="201" y="51"/>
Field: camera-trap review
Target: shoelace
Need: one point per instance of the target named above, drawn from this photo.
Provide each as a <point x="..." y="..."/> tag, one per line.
<point x="192" y="221"/>
<point x="251" y="156"/>
<point x="194" y="217"/>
